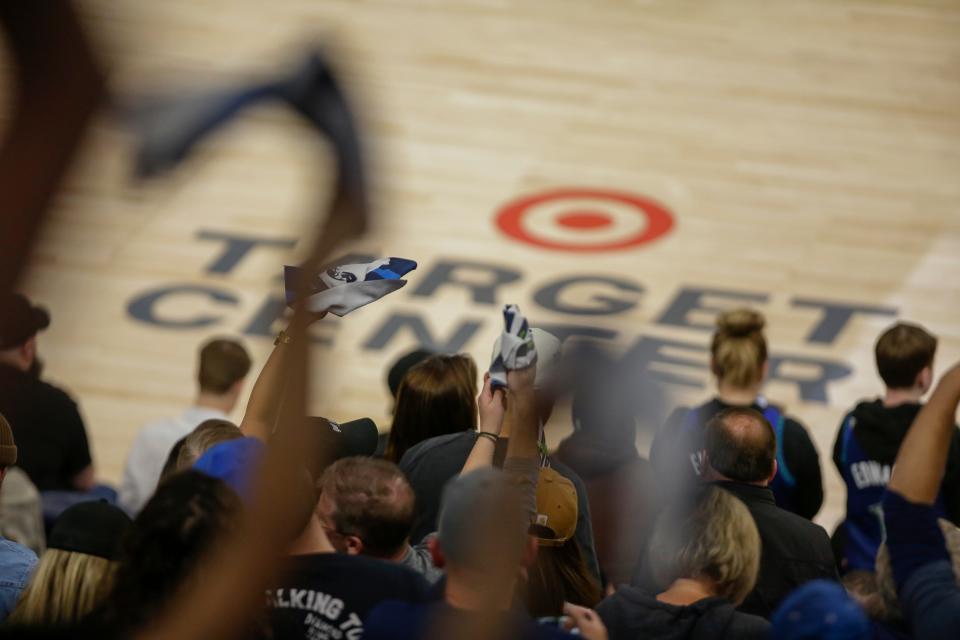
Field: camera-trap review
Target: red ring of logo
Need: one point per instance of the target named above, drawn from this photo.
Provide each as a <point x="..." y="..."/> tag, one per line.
<point x="659" y="219"/>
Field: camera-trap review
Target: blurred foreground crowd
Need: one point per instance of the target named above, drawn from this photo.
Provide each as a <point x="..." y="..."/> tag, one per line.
<point x="460" y="523"/>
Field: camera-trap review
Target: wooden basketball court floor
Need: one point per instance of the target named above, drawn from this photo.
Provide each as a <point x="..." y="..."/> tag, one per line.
<point x="808" y="154"/>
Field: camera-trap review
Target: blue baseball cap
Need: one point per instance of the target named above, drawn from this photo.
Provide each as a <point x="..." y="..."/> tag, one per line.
<point x="235" y="462"/>
<point x="820" y="610"/>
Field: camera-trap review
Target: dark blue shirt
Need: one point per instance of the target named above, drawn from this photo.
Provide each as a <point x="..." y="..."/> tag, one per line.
<point x="326" y="596"/>
<point x="927" y="588"/>
<point x="407" y="621"/>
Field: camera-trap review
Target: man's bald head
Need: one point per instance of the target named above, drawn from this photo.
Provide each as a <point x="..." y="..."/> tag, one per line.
<point x="741" y="445"/>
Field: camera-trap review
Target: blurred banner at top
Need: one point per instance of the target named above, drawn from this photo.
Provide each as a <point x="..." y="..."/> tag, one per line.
<point x="170" y="127"/>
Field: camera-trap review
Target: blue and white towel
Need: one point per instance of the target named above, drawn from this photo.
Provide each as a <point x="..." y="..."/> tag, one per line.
<point x="517" y="350"/>
<point x="346" y="287"/>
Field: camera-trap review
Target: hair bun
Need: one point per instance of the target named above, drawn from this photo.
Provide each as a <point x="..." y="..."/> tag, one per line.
<point x="739" y="323"/>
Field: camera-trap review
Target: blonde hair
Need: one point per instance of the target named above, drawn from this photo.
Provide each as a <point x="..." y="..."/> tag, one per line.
<point x="205" y="435"/>
<point x="65" y="587"/>
<point x="713" y="539"/>
<point x="739" y="349"/>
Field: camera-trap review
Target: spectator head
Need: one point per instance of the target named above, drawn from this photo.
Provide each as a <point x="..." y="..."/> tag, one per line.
<point x="204" y="436"/>
<point x="612" y="397"/>
<point x="436" y="397"/>
<point x="8" y="448"/>
<point x="864" y="588"/>
<point x="482" y="523"/>
<point x="713" y="539"/>
<point x="738" y="351"/>
<point x="559" y="573"/>
<point x="19" y="323"/>
<point x="366" y="507"/>
<point x="170" y="466"/>
<point x="403" y="364"/>
<point x="76" y="572"/>
<point x="820" y="610"/>
<point x="602" y="406"/>
<point x="904" y="355"/>
<point x="885" y="582"/>
<point x="223" y="365"/>
<point x="740" y="445"/>
<point x="178" y="525"/>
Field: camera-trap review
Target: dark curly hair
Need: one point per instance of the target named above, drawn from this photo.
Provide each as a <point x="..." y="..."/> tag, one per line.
<point x="180" y="523"/>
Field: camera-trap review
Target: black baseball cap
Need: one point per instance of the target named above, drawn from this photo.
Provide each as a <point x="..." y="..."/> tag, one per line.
<point x="353" y="438"/>
<point x="19" y="320"/>
<point x="95" y="528"/>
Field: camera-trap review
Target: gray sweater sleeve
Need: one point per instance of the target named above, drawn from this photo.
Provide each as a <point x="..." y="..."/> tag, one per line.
<point x="525" y="474"/>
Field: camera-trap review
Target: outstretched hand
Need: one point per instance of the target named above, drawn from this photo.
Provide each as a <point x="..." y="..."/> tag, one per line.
<point x="492" y="406"/>
<point x="586" y="621"/>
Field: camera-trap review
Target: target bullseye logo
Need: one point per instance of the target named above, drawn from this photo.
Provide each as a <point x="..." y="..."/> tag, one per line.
<point x="584" y="220"/>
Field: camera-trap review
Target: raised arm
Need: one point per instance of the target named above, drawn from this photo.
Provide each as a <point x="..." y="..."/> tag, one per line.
<point x="224" y="594"/>
<point x="266" y="397"/>
<point x="926" y="587"/>
<point x="918" y="471"/>
<point x="523" y="451"/>
<point x="492" y="406"/>
<point x="226" y="588"/>
<point x="524" y="425"/>
<point x="49" y="54"/>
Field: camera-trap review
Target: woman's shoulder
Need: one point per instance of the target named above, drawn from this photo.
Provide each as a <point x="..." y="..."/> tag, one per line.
<point x="625" y="597"/>
<point x="793" y="429"/>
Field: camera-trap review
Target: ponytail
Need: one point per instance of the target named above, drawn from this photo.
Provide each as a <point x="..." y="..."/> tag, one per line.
<point x="739" y="348"/>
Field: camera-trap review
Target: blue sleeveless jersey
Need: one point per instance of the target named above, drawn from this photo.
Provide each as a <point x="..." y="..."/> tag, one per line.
<point x="784" y="485"/>
<point x="866" y="481"/>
